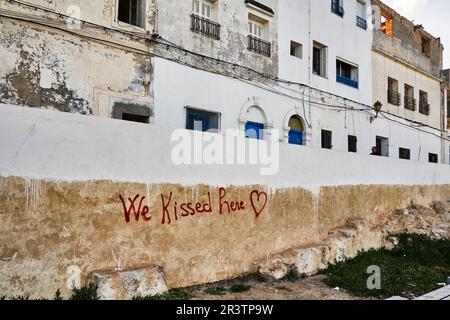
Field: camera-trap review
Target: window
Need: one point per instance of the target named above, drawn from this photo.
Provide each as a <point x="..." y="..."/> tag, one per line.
<point x="346" y="73"/>
<point x="130" y="11"/>
<point x="131" y="112"/>
<point x="201" y="19"/>
<point x="203" y="8"/>
<point x="200" y="120"/>
<point x="410" y="102"/>
<point x="426" y="47"/>
<point x="424" y="107"/>
<point x="337" y="7"/>
<point x="404" y="154"/>
<point x="296" y="49"/>
<point x="257" y="31"/>
<point x="433" y="158"/>
<point x="319" y="59"/>
<point x="296" y="130"/>
<point x="361" y="20"/>
<point x="386" y="24"/>
<point x="352" y="144"/>
<point x="134" y="118"/>
<point x="448" y="103"/>
<point x="393" y="94"/>
<point x="254" y="130"/>
<point x="327" y="139"/>
<point x="382" y="144"/>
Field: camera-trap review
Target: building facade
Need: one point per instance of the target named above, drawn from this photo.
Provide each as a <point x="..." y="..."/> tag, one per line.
<point x="312" y="69"/>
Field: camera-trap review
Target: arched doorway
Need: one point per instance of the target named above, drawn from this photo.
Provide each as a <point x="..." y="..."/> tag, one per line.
<point x="296" y="130"/>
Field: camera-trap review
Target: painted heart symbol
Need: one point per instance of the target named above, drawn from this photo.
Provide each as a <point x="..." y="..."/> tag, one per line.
<point x="259" y="202"/>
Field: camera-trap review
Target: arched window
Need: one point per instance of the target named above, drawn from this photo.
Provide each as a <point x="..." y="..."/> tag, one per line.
<point x="296" y="130"/>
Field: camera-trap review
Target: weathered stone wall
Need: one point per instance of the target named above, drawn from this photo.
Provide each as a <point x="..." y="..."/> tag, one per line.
<point x="49" y="228"/>
<point x="406" y="41"/>
<point x="48" y="63"/>
<point x="232" y="47"/>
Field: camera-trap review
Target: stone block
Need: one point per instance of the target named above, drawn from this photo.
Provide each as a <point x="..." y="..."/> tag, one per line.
<point x="440" y="207"/>
<point x="126" y="284"/>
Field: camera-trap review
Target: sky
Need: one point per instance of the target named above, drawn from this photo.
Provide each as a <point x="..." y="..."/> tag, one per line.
<point x="434" y="15"/>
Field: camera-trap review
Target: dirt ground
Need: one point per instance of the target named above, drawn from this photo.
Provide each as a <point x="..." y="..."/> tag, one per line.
<point x="311" y="288"/>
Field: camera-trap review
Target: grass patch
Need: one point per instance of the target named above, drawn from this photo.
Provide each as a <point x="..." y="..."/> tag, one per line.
<point x="413" y="268"/>
<point x="175" y="294"/>
<point x="85" y="293"/>
<point x="291" y="276"/>
<point x="216" y="291"/>
<point x="58" y="295"/>
<point x="238" y="288"/>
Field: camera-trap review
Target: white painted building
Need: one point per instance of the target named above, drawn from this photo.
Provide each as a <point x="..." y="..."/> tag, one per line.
<point x="305" y="67"/>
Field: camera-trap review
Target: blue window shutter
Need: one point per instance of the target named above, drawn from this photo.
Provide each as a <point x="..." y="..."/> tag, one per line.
<point x="254" y="130"/>
<point x="296" y="137"/>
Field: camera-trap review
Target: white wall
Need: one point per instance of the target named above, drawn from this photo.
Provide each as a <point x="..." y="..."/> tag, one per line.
<point x="47" y="144"/>
<point x="384" y="68"/>
<point x="177" y="86"/>
<point x="341" y="35"/>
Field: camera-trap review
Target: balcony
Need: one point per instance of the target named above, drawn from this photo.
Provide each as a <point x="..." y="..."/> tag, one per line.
<point x="424" y="107"/>
<point x="337" y="8"/>
<point x="410" y="103"/>
<point x="259" y="46"/>
<point x="394" y="97"/>
<point x="361" y="22"/>
<point x="205" y="26"/>
<point x="347" y="81"/>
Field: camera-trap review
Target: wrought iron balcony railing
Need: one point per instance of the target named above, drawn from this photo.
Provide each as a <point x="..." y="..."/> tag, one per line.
<point x="361" y="22"/>
<point x="259" y="46"/>
<point x="424" y="107"/>
<point x="205" y="26"/>
<point x="347" y="81"/>
<point x="410" y="103"/>
<point x="394" y="97"/>
<point x="337" y="8"/>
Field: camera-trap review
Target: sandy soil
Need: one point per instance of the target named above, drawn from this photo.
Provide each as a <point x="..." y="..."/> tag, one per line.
<point x="311" y="288"/>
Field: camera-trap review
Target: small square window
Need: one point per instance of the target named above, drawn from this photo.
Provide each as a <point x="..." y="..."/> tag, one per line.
<point x="200" y="120"/>
<point x="131" y="112"/>
<point x="433" y="158"/>
<point x="296" y="49"/>
<point x="404" y="154"/>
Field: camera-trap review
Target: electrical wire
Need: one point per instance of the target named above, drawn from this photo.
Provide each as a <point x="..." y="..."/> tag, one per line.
<point x="157" y="39"/>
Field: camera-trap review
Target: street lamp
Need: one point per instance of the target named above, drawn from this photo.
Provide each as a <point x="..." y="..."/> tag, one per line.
<point x="377" y="107"/>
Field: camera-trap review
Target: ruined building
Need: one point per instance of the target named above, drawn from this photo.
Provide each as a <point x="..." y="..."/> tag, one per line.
<point x="249" y="65"/>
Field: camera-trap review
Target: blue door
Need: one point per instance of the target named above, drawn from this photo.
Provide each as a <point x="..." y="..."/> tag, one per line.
<point x="254" y="130"/>
<point x="296" y="137"/>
